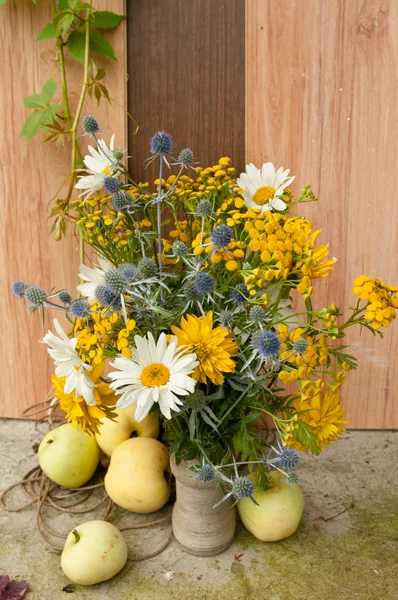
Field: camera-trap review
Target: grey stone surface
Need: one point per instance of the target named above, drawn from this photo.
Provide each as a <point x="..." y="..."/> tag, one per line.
<point x="332" y="556"/>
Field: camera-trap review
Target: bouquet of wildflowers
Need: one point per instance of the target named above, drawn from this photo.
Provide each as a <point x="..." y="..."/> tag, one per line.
<point x="189" y="310"/>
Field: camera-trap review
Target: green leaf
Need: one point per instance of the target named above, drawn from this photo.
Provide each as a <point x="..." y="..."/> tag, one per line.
<point x="104" y="19"/>
<point x="63" y="5"/>
<point x="34" y="101"/>
<point x="32" y="126"/>
<point x="2" y="2"/>
<point x="62" y="21"/>
<point x="100" y="45"/>
<point x="76" y="44"/>
<point x="48" y="90"/>
<point x="47" y="33"/>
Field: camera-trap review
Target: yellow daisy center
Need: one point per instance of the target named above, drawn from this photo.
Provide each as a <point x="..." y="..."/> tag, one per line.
<point x="155" y="375"/>
<point x="106" y="171"/>
<point x="200" y="350"/>
<point x="264" y="194"/>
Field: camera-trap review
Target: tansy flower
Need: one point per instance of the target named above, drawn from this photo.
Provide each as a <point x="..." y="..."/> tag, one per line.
<point x="324" y="413"/>
<point x="84" y="416"/>
<point x="213" y="347"/>
<point x="69" y="365"/>
<point x="100" y="164"/>
<point x="263" y="188"/>
<point x="156" y="372"/>
<point x="93" y="277"/>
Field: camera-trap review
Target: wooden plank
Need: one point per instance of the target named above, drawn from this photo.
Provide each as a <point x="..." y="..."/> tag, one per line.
<point x="186" y="76"/>
<point x="322" y="99"/>
<point x="30" y="175"/>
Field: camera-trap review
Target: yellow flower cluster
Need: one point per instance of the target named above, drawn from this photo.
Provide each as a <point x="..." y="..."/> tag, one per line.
<point x="300" y="365"/>
<point x="381" y="298"/>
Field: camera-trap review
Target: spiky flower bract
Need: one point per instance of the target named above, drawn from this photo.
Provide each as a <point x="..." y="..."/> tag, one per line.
<point x="221" y="236"/>
<point x="36" y="296"/>
<point x="214" y="348"/>
<point x="116" y="280"/>
<point x="205" y="473"/>
<point x="157" y="372"/>
<point x="204" y="208"/>
<point x="90" y="125"/>
<point x="112" y="184"/>
<point x="161" y="143"/>
<point x="19" y="288"/>
<point x="64" y="297"/>
<point x="111" y="299"/>
<point x="242" y="487"/>
<point x="121" y="201"/>
<point x="185" y="157"/>
<point x="147" y="268"/>
<point x="300" y="346"/>
<point x="268" y="344"/>
<point x="257" y="314"/>
<point x="179" y="249"/>
<point x="288" y="458"/>
<point x="240" y="294"/>
<point x="80" y="309"/>
<point x="204" y="284"/>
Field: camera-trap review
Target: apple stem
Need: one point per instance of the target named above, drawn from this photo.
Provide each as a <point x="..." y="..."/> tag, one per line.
<point x="77" y="536"/>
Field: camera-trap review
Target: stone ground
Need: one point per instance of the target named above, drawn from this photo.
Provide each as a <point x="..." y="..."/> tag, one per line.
<point x="346" y="547"/>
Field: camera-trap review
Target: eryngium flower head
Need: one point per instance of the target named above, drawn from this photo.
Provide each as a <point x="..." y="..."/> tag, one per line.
<point x="196" y="400"/>
<point x="35" y="295"/>
<point x="90" y="125"/>
<point x="292" y="478"/>
<point x="179" y="249"/>
<point x="115" y="280"/>
<point x="118" y="155"/>
<point x="147" y="268"/>
<point x="110" y="299"/>
<point x="121" y="201"/>
<point x="240" y="294"/>
<point x="221" y="236"/>
<point x="80" y="309"/>
<point x="289" y="458"/>
<point x="268" y="344"/>
<point x="189" y="290"/>
<point x="112" y="184"/>
<point x="64" y="297"/>
<point x="19" y="288"/>
<point x="242" y="487"/>
<point x="161" y="143"/>
<point x="204" y="208"/>
<point x="204" y="284"/>
<point x="128" y="271"/>
<point x="185" y="157"/>
<point x="205" y="473"/>
<point x="99" y="293"/>
<point x="226" y="318"/>
<point x="257" y="314"/>
<point x="300" y="346"/>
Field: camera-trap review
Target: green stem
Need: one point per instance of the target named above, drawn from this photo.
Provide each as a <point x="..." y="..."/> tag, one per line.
<point x="236" y="403"/>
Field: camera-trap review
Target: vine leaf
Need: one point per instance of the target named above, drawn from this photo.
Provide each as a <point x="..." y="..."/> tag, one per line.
<point x="76" y="43"/>
<point x="56" y="134"/>
<point x="62" y="21"/>
<point x="100" y="45"/>
<point x="103" y="19"/>
<point x="45" y="111"/>
<point x="47" y="33"/>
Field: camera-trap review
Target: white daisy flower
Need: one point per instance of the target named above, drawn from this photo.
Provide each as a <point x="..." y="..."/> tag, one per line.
<point x="156" y="372"/>
<point x="102" y="162"/>
<point x="263" y="188"/>
<point x="93" y="277"/>
<point x="69" y="364"/>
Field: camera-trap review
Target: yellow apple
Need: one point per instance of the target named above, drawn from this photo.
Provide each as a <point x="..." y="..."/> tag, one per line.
<point x="136" y="476"/>
<point x="94" y="551"/>
<point x="279" y="512"/>
<point x="113" y="433"/>
<point x="68" y="456"/>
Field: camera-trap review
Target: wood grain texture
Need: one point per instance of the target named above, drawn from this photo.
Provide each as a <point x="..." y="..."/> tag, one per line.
<point x="30" y="175"/>
<point x="186" y="76"/>
<point x="322" y="99"/>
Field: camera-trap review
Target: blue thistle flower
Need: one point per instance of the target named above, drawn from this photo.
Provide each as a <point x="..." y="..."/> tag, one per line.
<point x="292" y="478"/>
<point x="121" y="201"/>
<point x="300" y="346"/>
<point x="161" y="143"/>
<point x="99" y="294"/>
<point x="240" y="294"/>
<point x="128" y="271"/>
<point x="204" y="208"/>
<point x="268" y="344"/>
<point x="289" y="458"/>
<point x="189" y="290"/>
<point x="205" y="473"/>
<point x="257" y="314"/>
<point x="179" y="249"/>
<point x="112" y="184"/>
<point x="226" y="318"/>
<point x="64" y="297"/>
<point x="242" y="487"/>
<point x="196" y="400"/>
<point x="115" y="280"/>
<point x="90" y="125"/>
<point x="221" y="236"/>
<point x="35" y="295"/>
<point x="19" y="288"/>
<point x="185" y="157"/>
<point x="111" y="299"/>
<point x="204" y="284"/>
<point x="80" y="309"/>
<point x="147" y="268"/>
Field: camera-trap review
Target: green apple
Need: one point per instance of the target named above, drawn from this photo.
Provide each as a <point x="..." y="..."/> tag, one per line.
<point x="68" y="456"/>
<point x="94" y="551"/>
<point x="112" y="433"/>
<point x="135" y="479"/>
<point x="279" y="512"/>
